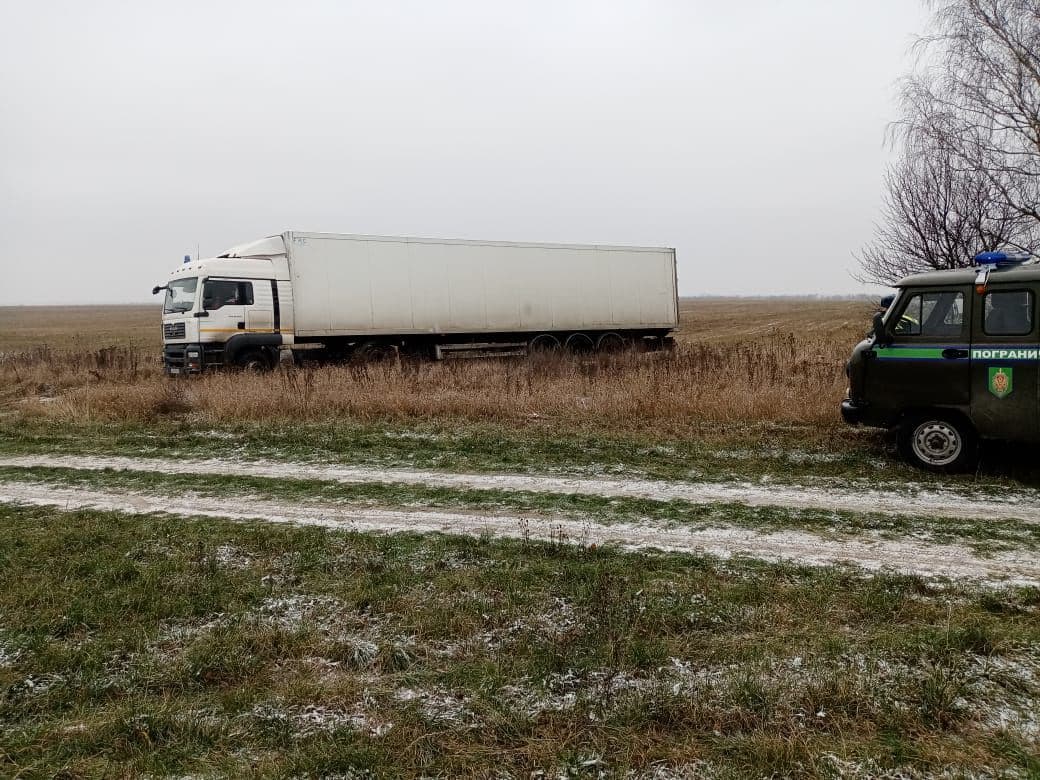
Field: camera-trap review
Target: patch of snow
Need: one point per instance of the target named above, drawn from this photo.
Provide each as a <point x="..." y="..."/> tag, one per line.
<point x="8" y="653"/>
<point x="233" y="558"/>
<point x="34" y="685"/>
<point x="361" y="653"/>
<point x="294" y="612"/>
<point x="695" y="770"/>
<point x="557" y="621"/>
<point x="870" y="769"/>
<point x="214" y="433"/>
<point x="910" y="499"/>
<point x="1006" y="693"/>
<point x="291" y="613"/>
<point x="326" y="668"/>
<point x="415" y="436"/>
<point x="439" y="705"/>
<point x="474" y="644"/>
<point x="906" y="556"/>
<point x="775" y="453"/>
<point x="309" y="719"/>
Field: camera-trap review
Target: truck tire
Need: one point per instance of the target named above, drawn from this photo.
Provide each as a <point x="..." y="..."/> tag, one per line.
<point x="939" y="442"/>
<point x="611" y="343"/>
<point x="374" y="352"/>
<point x="579" y="344"/>
<point x="254" y="360"/>
<point x="543" y="343"/>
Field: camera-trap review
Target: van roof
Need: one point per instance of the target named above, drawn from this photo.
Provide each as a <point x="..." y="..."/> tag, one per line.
<point x="1028" y="272"/>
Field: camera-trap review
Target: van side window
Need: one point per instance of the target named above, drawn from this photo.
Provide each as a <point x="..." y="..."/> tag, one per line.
<point x="1008" y="313"/>
<point x="932" y="315"/>
<point x="217" y="293"/>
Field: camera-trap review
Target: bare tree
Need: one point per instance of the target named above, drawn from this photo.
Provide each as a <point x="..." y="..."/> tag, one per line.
<point x="968" y="176"/>
<point x="937" y="216"/>
<point x="979" y="98"/>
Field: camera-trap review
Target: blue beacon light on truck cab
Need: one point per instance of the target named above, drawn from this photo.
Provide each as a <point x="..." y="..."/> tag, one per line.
<point x="954" y="358"/>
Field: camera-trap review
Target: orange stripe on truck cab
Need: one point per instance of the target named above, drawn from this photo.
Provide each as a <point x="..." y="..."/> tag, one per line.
<point x="243" y="330"/>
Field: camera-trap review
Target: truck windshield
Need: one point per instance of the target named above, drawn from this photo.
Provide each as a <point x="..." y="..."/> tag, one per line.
<point x="180" y="296"/>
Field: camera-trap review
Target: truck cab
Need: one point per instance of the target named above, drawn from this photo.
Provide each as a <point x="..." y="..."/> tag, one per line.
<point x="952" y="360"/>
<point x="232" y="310"/>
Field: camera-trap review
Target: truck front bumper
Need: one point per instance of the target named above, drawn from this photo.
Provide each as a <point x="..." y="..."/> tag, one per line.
<point x="183" y="359"/>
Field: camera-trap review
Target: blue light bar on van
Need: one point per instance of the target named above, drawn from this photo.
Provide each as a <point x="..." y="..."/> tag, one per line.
<point x="1001" y="258"/>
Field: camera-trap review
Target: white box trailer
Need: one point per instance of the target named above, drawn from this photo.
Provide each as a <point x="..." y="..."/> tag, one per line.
<point x="367" y="296"/>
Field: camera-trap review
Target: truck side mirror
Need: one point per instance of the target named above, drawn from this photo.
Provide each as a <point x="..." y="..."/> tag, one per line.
<point x="157" y="288"/>
<point x="881" y="335"/>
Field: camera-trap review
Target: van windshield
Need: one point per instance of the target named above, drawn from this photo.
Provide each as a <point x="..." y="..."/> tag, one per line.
<point x="180" y="295"/>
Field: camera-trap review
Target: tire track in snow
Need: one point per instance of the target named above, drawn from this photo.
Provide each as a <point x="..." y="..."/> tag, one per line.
<point x="907" y="557"/>
<point x="1019" y="504"/>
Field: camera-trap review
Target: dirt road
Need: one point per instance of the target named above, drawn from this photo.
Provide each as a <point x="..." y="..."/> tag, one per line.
<point x="903" y="556"/>
<point x="1020" y="503"/>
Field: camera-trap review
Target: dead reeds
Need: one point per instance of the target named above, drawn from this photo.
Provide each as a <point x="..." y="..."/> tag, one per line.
<point x="779" y="378"/>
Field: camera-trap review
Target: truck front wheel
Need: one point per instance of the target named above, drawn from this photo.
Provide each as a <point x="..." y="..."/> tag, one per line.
<point x="254" y="360"/>
<point x="938" y="442"/>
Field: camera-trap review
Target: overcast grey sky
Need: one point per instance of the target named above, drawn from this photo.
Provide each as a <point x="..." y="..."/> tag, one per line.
<point x="747" y="135"/>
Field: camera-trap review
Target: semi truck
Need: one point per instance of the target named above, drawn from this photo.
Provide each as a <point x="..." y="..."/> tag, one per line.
<point x="362" y="297"/>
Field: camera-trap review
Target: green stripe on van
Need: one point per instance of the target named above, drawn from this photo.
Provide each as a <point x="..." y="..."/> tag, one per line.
<point x="917" y="353"/>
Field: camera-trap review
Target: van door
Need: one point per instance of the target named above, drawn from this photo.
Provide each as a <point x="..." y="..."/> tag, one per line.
<point x="1005" y="398"/>
<point x="927" y="364"/>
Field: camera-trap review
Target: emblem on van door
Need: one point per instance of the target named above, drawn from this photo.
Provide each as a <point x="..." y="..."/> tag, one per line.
<point x="1001" y="381"/>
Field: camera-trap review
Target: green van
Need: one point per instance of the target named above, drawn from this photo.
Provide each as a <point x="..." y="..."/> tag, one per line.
<point x="954" y="359"/>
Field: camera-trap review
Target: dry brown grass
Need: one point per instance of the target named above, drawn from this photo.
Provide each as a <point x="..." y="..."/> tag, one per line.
<point x="737" y="361"/>
<point x="778" y="379"/>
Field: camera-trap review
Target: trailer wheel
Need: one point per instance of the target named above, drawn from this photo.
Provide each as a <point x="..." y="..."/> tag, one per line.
<point x="611" y="343"/>
<point x="375" y="352"/>
<point x="938" y="442"/>
<point x="579" y="344"/>
<point x="254" y="361"/>
<point x="542" y="343"/>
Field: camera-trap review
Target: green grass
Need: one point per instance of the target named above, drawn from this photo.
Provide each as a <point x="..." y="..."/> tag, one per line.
<point x="982" y="535"/>
<point x="167" y="646"/>
<point x="459" y="447"/>
<point x="785" y="455"/>
<point x="779" y="454"/>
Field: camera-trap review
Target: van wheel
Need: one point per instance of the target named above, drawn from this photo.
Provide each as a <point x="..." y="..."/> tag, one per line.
<point x="254" y="360"/>
<point x="938" y="443"/>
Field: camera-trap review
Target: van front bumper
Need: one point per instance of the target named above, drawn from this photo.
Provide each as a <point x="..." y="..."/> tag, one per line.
<point x="853" y="413"/>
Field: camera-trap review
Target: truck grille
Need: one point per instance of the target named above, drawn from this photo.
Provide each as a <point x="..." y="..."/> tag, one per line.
<point x="173" y="330"/>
